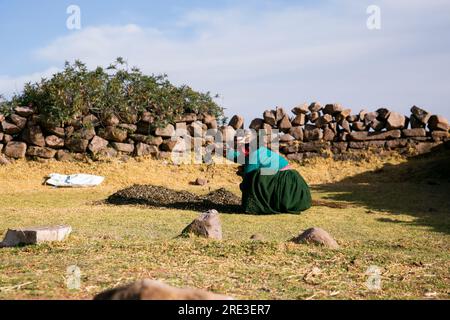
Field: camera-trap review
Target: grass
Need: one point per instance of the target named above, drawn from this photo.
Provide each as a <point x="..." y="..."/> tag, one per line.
<point x="398" y="220"/>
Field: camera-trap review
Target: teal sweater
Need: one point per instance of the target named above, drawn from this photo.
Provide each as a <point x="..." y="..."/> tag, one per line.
<point x="262" y="158"/>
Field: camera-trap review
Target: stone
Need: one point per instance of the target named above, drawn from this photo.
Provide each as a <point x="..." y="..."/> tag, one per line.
<point x="421" y="115"/>
<point x="367" y="136"/>
<point x="156" y="141"/>
<point x="425" y="147"/>
<point x="181" y="129"/>
<point x="201" y="182"/>
<point x="207" y="225"/>
<point x="76" y="144"/>
<point x="90" y="121"/>
<point x="33" y="135"/>
<point x="195" y="129"/>
<point x="301" y="109"/>
<point x="395" y="121"/>
<point x="110" y="120"/>
<point x="352" y="118"/>
<point x="10" y="128"/>
<point x="86" y="133"/>
<point x="286" y="138"/>
<point x="377" y="125"/>
<point x="312" y="134"/>
<point x="285" y="124"/>
<point x="339" y="147"/>
<point x="370" y="117"/>
<point x="333" y="109"/>
<point x="41" y="152"/>
<point x="280" y="113"/>
<point x="123" y="147"/>
<point x="297" y="157"/>
<point x="209" y="119"/>
<point x="362" y="115"/>
<point x="237" y="122"/>
<point x="383" y="114"/>
<point x="113" y="134"/>
<point x="315" y="107"/>
<point x="57" y="131"/>
<point x="143" y="149"/>
<point x="438" y="123"/>
<point x="299" y="120"/>
<point x="267" y="128"/>
<point x="3" y="160"/>
<point x="155" y="290"/>
<point x="97" y="144"/>
<point x="439" y="136"/>
<point x="54" y="142"/>
<point x="345" y="126"/>
<point x="107" y="153"/>
<point x="188" y="117"/>
<point x="297" y="133"/>
<point x="417" y="132"/>
<point x="213" y="125"/>
<point x="314" y="116"/>
<point x="257" y="237"/>
<point x="166" y="132"/>
<point x="169" y="145"/>
<point x="358" y="145"/>
<point x="130" y="128"/>
<point x="24" y="111"/>
<point x="415" y="123"/>
<point x="328" y="134"/>
<point x="15" y="149"/>
<point x="359" y="126"/>
<point x="317" y="236"/>
<point x="7" y="138"/>
<point x="324" y="120"/>
<point x="35" y="235"/>
<point x="147" y="117"/>
<point x="315" y="147"/>
<point x="257" y="124"/>
<point x="19" y="121"/>
<point x="396" y="144"/>
<point x="290" y="148"/>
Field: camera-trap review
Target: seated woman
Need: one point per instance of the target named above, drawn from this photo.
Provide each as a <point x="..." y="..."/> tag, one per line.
<point x="269" y="184"/>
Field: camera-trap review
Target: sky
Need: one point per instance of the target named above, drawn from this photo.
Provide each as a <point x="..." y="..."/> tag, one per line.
<point x="256" y="54"/>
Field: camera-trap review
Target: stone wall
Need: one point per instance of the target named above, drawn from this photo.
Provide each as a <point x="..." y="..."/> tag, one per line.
<point x="334" y="131"/>
<point x="311" y="131"/>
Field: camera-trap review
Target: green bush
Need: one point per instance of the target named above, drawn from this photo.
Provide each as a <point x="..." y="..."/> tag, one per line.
<point x="116" y="90"/>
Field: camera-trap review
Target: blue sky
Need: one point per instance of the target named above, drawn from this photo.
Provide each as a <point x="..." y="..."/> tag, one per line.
<point x="256" y="54"/>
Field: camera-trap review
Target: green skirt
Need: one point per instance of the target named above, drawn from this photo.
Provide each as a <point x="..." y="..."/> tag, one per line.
<point x="282" y="192"/>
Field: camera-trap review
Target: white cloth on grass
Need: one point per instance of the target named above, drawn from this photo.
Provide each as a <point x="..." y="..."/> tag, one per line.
<point x="74" y="181"/>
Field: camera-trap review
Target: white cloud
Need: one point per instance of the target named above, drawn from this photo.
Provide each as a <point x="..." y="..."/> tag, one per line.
<point x="258" y="59"/>
<point x="10" y="85"/>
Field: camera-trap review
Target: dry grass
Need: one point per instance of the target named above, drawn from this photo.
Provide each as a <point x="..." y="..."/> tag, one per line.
<point x="116" y="244"/>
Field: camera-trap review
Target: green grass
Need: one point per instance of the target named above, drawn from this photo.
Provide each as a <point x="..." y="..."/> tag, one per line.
<point x="388" y="224"/>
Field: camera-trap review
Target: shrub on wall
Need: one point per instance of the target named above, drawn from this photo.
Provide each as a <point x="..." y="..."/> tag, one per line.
<point x="116" y="90"/>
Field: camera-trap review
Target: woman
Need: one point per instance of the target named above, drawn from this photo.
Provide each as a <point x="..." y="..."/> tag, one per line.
<point x="270" y="185"/>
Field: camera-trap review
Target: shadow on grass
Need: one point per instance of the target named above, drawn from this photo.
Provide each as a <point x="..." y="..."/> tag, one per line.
<point x="419" y="187"/>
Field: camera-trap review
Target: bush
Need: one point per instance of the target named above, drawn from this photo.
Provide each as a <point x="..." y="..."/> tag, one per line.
<point x="77" y="91"/>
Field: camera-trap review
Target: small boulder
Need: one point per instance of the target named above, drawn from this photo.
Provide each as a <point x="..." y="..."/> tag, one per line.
<point x="297" y="133"/>
<point x="10" y="128"/>
<point x="300" y="109"/>
<point x="97" y="144"/>
<point x="24" y="111"/>
<point x="166" y="132"/>
<point x="333" y="109"/>
<point x="315" y="107"/>
<point x="123" y="147"/>
<point x="395" y="121"/>
<point x="41" y="152"/>
<point x="114" y="134"/>
<point x="285" y="124"/>
<point x="270" y="118"/>
<point x="237" y="122"/>
<point x="299" y="120"/>
<point x="317" y="236"/>
<point x="207" y="225"/>
<point x="201" y="182"/>
<point x="19" y="121"/>
<point x="54" y="142"/>
<point x="143" y="149"/>
<point x="16" y="150"/>
<point x="438" y="123"/>
<point x="420" y="114"/>
<point x="29" y="236"/>
<point x="76" y="144"/>
<point x="155" y="290"/>
<point x="257" y="124"/>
